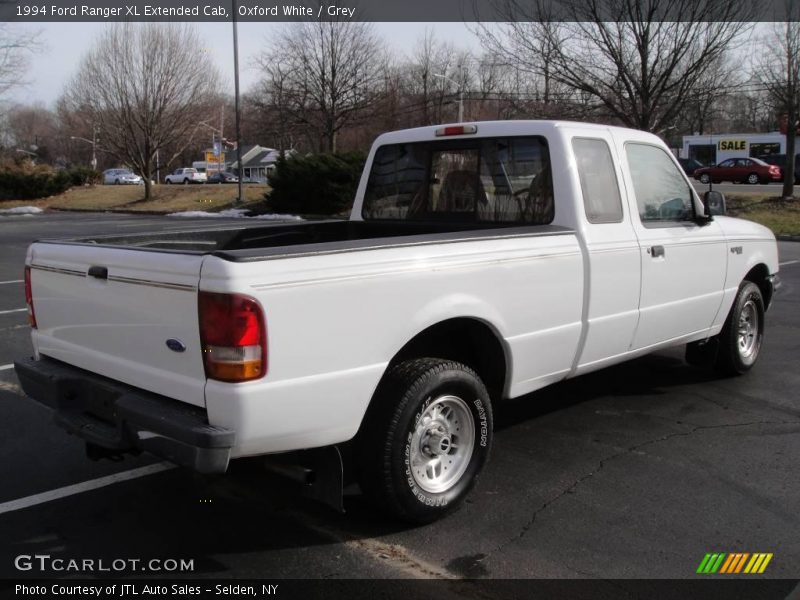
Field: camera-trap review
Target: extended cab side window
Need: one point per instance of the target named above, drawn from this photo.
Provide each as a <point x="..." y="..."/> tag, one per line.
<point x="662" y="194"/>
<point x="601" y="198"/>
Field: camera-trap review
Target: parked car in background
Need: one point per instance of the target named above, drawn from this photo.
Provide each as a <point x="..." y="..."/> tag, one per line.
<point x="690" y="165"/>
<point x="745" y="170"/>
<point x="779" y="160"/>
<point x="120" y="177"/>
<point x="223" y="178"/>
<point x="185" y="176"/>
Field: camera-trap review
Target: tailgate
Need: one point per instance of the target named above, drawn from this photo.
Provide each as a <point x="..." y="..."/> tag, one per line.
<point x="117" y="321"/>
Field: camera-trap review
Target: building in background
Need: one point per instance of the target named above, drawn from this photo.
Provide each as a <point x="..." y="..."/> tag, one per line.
<point x="713" y="149"/>
<point x="257" y="163"/>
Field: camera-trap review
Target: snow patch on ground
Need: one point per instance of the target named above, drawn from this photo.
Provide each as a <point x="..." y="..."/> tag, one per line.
<point x="21" y="210"/>
<point x="235" y="213"/>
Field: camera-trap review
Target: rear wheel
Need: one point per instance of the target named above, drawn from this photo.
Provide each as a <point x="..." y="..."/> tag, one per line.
<point x="185" y="182"/>
<point x="753" y="178"/>
<point x="424" y="439"/>
<point x="743" y="333"/>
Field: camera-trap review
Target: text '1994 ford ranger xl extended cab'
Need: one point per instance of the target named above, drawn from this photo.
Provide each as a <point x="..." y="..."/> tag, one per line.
<point x="482" y="261"/>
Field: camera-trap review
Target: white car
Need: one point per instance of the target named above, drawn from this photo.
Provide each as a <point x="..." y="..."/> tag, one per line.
<point x="121" y="177"/>
<point x="481" y="261"/>
<point x="185" y="176"/>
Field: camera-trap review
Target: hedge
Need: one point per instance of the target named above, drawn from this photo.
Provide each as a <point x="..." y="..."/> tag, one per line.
<point x="20" y="184"/>
<point x="321" y="184"/>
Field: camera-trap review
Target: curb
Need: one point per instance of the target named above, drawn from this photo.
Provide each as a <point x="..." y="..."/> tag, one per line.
<point x="107" y="211"/>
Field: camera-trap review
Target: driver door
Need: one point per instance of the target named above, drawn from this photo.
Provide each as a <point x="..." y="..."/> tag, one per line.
<point x="683" y="263"/>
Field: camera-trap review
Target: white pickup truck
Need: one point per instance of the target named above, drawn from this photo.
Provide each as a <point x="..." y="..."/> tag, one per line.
<point x="186" y="176"/>
<point x="482" y="261"/>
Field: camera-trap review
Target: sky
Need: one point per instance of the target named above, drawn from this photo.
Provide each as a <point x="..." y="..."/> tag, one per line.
<point x="66" y="43"/>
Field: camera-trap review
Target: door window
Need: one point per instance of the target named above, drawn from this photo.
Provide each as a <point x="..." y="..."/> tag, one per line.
<point x="663" y="195"/>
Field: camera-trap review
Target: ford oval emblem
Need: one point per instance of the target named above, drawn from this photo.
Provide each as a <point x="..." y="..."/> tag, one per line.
<point x="176" y="345"/>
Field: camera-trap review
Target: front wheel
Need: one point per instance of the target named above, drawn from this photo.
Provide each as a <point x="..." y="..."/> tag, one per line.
<point x="425" y="439"/>
<point x="743" y="333"/>
<point x="705" y="178"/>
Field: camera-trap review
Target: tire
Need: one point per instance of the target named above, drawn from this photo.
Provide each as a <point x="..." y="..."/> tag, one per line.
<point x="428" y="416"/>
<point x="743" y="333"/>
<point x="185" y="182"/>
<point x="116" y="182"/>
<point x="705" y="178"/>
<point x="168" y="182"/>
<point x="753" y="179"/>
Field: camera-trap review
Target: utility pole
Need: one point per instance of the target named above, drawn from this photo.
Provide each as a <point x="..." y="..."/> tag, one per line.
<point x="239" y="147"/>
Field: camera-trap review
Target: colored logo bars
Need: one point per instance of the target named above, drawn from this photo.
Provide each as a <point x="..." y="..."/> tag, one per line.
<point x="734" y="563"/>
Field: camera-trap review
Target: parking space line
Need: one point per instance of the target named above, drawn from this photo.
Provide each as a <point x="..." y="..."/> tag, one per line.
<point x="788" y="262"/>
<point x="84" y="486"/>
<point x="6" y="367"/>
<point x="16" y="310"/>
<point x="12" y="281"/>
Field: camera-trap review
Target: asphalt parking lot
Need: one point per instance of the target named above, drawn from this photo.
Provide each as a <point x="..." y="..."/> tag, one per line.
<point x="637" y="471"/>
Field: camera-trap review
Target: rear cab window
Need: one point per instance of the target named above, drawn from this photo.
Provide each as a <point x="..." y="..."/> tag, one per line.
<point x="501" y="180"/>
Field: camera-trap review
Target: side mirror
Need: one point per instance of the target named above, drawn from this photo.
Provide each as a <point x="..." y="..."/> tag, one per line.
<point x="714" y="203"/>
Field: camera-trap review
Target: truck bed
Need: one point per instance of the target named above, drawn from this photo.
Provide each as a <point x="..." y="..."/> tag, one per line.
<point x="282" y="240"/>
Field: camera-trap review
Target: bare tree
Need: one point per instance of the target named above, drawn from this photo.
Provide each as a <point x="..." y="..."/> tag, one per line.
<point x="32" y="127"/>
<point x="145" y="87"/>
<point x="16" y="47"/>
<point x="433" y="75"/>
<point x="778" y="70"/>
<point x="636" y="65"/>
<point x="323" y="74"/>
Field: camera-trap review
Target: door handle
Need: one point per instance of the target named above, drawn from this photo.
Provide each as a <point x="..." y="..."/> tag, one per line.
<point x="656" y="251"/>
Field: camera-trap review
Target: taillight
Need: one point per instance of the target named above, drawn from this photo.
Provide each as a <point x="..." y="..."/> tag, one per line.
<point x="29" y="298"/>
<point x="233" y="335"/>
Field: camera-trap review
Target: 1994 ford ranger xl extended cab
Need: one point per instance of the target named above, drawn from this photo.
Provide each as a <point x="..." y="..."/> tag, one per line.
<point x="482" y="261"/>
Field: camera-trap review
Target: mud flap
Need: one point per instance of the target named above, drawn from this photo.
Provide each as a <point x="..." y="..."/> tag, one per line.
<point x="702" y="353"/>
<point x="320" y="471"/>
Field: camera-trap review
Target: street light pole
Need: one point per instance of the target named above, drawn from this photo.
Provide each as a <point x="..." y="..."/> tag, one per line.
<point x="236" y="99"/>
<point x="28" y="152"/>
<point x="93" y="142"/>
<point x="94" y="148"/>
<point x="460" y="91"/>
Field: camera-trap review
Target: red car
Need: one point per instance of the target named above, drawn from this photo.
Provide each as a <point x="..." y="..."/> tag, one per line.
<point x="746" y="170"/>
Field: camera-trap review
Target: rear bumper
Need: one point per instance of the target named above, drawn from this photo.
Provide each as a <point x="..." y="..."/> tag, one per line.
<point x="121" y="418"/>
